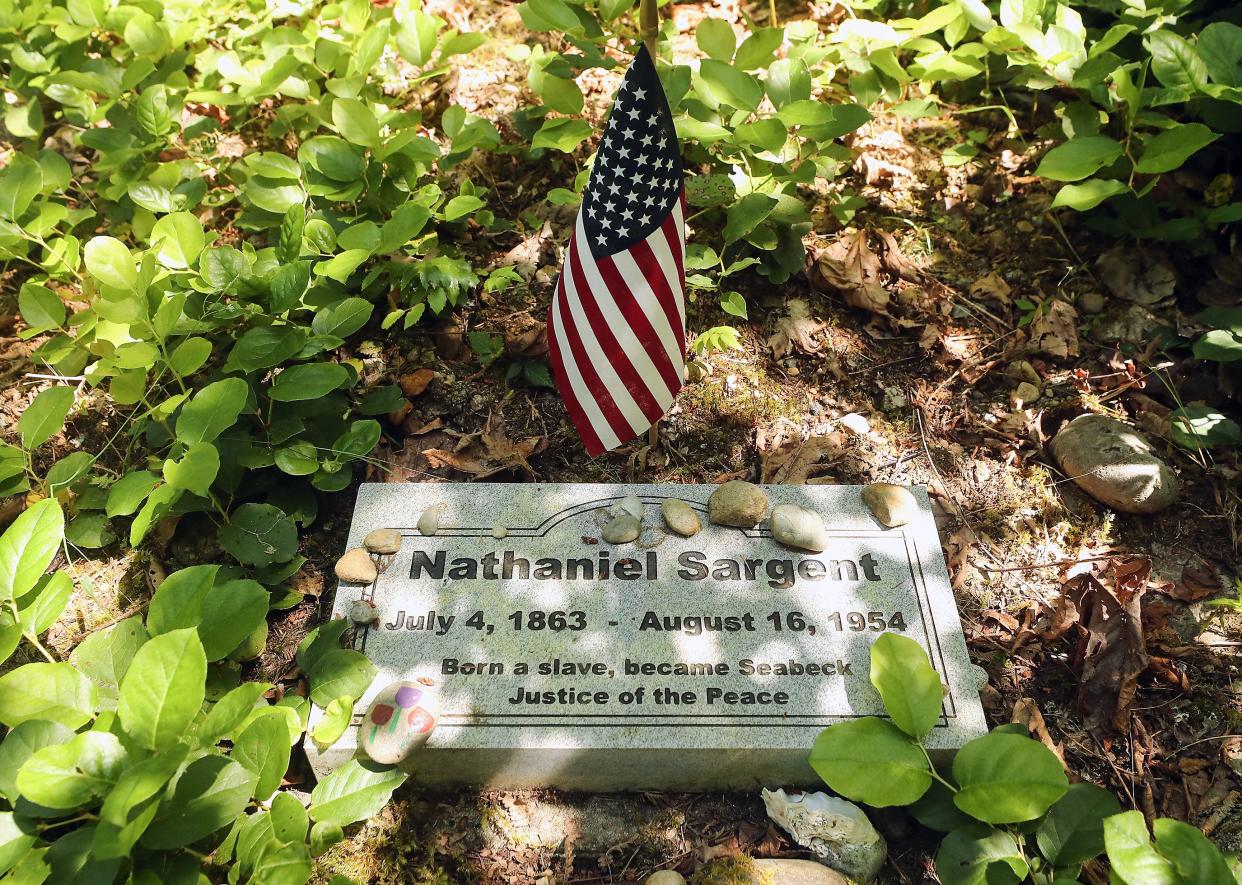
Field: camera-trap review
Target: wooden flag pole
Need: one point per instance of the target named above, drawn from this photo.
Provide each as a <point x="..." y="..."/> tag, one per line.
<point x="649" y="24"/>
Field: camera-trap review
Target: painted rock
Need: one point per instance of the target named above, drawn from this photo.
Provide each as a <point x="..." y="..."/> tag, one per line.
<point x="398" y="722"/>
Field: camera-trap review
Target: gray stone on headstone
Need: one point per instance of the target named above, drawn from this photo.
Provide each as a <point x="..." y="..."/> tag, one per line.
<point x="695" y="663"/>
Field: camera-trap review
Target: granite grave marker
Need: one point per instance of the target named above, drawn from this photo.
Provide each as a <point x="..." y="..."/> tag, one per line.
<point x="702" y="662"/>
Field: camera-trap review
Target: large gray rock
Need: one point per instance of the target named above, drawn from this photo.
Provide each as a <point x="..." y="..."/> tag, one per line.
<point x="737" y="503"/>
<point x="838" y="831"/>
<point x="1115" y="464"/>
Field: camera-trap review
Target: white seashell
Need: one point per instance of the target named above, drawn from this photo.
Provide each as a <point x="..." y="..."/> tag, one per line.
<point x="836" y="830"/>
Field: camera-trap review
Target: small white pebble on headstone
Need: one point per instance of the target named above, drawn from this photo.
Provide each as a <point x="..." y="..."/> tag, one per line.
<point x="356" y="567"/>
<point x="892" y="505"/>
<point x="680" y="517"/>
<point x="429" y="521"/>
<point x="798" y="527"/>
<point x="383" y="541"/>
<point x="631" y="505"/>
<point x="622" y="529"/>
<point x="499" y="532"/>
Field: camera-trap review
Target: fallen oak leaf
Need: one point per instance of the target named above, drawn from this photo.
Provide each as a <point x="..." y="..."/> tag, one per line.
<point x="850" y="267"/>
<point x="414" y="383"/>
<point x="1111" y="655"/>
<point x="489" y="452"/>
<point x="796" y="330"/>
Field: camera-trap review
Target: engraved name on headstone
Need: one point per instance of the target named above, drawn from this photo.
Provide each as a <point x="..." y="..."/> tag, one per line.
<point x="680" y="663"/>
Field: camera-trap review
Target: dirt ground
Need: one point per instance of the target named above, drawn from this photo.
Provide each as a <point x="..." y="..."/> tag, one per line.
<point x="821" y="391"/>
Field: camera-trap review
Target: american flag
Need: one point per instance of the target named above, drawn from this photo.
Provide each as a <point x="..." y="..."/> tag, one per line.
<point x="617" y="322"/>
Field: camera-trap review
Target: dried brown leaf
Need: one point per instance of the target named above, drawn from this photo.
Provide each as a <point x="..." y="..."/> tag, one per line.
<point x="797" y="330"/>
<point x="1113" y="653"/>
<point x="795" y="462"/>
<point x="414" y="383"/>
<point x="849" y="266"/>
<point x="532" y="344"/>
<point x="1055" y="331"/>
<point x="490" y="452"/>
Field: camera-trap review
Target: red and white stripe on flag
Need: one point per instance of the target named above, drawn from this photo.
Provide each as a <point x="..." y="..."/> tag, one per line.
<point x="617" y="333"/>
<point x="617" y="322"/>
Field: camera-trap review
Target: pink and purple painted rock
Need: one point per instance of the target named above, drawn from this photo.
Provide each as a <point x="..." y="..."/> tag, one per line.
<point x="398" y="722"/>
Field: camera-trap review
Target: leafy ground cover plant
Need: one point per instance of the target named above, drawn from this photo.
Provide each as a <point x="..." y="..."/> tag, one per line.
<point x="1006" y="806"/>
<point x="138" y="758"/>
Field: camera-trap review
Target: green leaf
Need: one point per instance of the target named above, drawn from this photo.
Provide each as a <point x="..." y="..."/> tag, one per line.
<point x="729" y="86"/>
<point x="416" y="37"/>
<point x="264" y="347"/>
<point x="561" y="134"/>
<point x="356" y="122"/>
<point x="222" y="268"/>
<point x="333" y="157"/>
<point x="909" y="687"/>
<point x="132" y="804"/>
<point x="1089" y="194"/>
<point x="307" y="381"/>
<point x="746" y="214"/>
<point x="163" y="689"/>
<point x="209" y="795"/>
<point x="157" y="505"/>
<point x="109" y="261"/>
<point x="1173" y="147"/>
<point x="1220" y="47"/>
<point x="23" y="742"/>
<point x="549" y="15"/>
<point x="49" y="604"/>
<point x="195" y="471"/>
<point x="1079" y="158"/>
<point x="333" y="671"/>
<point x="27" y="547"/>
<point x="178" y="239"/>
<point x="72" y="774"/>
<point x="20" y="183"/>
<point x="462" y="205"/>
<point x="716" y="38"/>
<point x="224" y="615"/>
<point x="343" y="318"/>
<point x="1133" y="858"/>
<point x="1007" y="778"/>
<point x="212" y="410"/>
<point x="733" y="304"/>
<point x="340" y="267"/>
<point x="1195" y="858"/>
<point x="358" y="441"/>
<point x="45" y="416"/>
<point x="289" y="818"/>
<point x="260" y="534"/>
<point x="1174" y="61"/>
<point x="870" y="760"/>
<point x="1201" y="426"/>
<point x="1073" y="830"/>
<point x="263" y="747"/>
<point x="230" y="712"/>
<point x="333" y="723"/>
<point x="128" y="492"/>
<point x="105" y="657"/>
<point x="55" y="692"/>
<point x="189" y="356"/>
<point x="40" y="308"/>
<point x="15" y="841"/>
<point x="1221" y="345"/>
<point x="353" y="792"/>
<point x="759" y="49"/>
<point x="978" y="855"/>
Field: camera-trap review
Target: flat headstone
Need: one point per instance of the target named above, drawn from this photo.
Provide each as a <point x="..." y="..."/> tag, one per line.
<point x="677" y="663"/>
